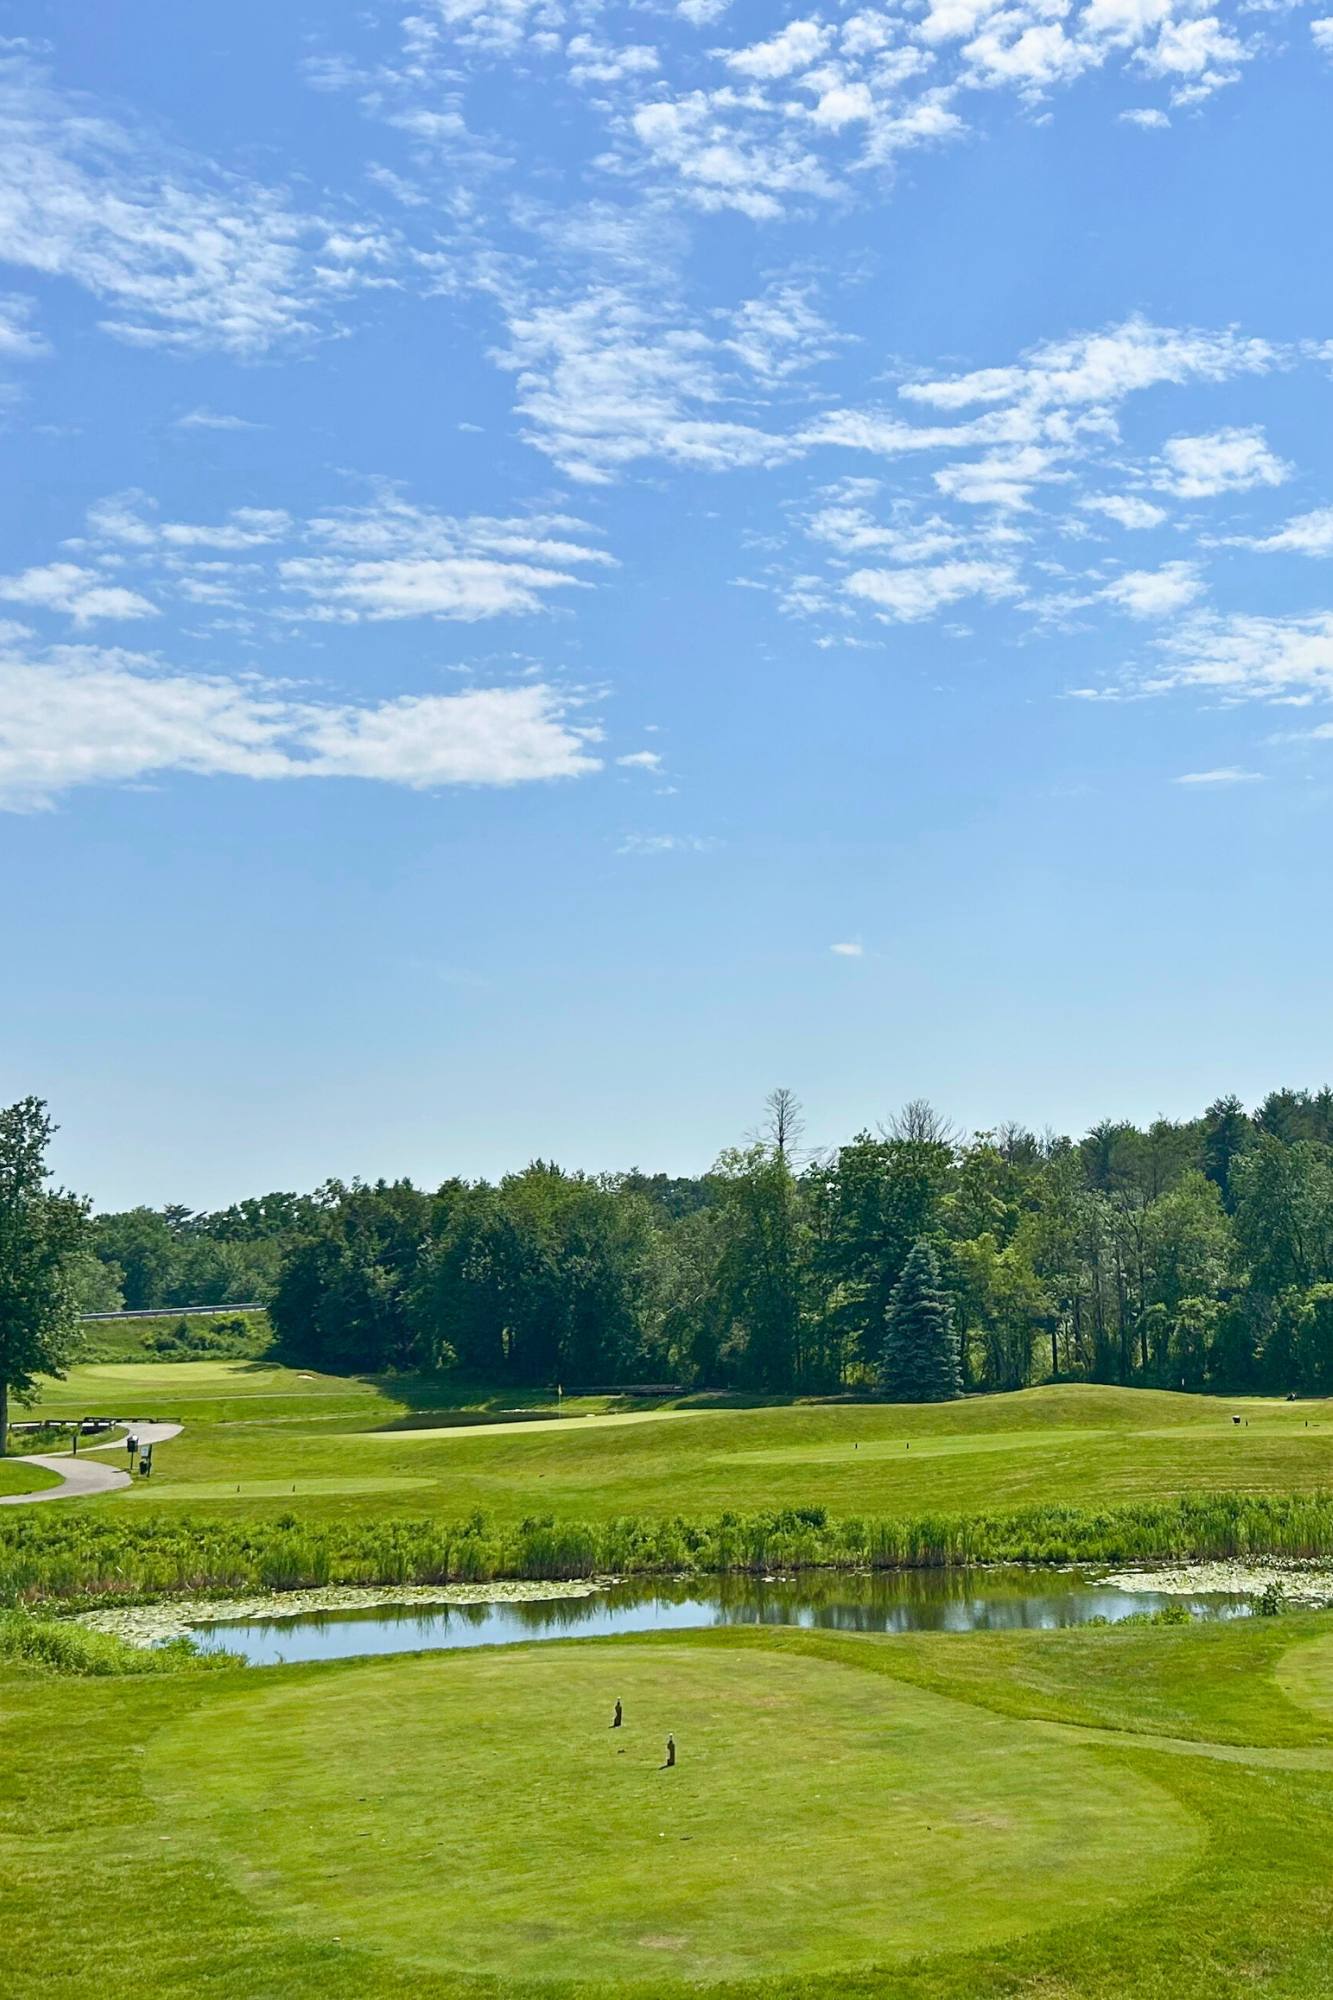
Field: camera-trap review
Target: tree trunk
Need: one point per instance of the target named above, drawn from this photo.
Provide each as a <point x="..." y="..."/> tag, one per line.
<point x="4" y="1415"/>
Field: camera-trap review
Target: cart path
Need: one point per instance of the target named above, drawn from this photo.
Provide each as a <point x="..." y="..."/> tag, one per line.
<point x="83" y="1476"/>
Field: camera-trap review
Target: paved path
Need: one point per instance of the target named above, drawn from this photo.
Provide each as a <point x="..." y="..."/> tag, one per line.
<point x="83" y="1476"/>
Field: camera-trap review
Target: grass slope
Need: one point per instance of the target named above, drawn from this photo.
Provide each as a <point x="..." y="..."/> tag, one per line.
<point x="447" y="1827"/>
<point x="349" y="1444"/>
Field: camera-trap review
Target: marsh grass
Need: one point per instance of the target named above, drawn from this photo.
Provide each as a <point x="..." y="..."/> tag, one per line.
<point x="81" y="1555"/>
<point x="55" y="1645"/>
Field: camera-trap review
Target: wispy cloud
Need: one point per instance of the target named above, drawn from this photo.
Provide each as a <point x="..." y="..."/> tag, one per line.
<point x="85" y="716"/>
<point x="180" y="254"/>
<point x="1246" y="657"/>
<point x="1228" y="774"/>
<point x="603" y="382"/>
<point x="665" y="843"/>
<point x="19" y="339"/>
<point x="848" y="950"/>
<point x="388" y="559"/>
<point x="1305" y="534"/>
<point x="214" y="420"/>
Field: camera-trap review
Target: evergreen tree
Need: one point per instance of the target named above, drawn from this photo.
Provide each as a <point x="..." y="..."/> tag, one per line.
<point x="920" y="1363"/>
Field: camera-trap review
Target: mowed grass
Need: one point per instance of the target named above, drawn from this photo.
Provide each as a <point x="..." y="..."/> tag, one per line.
<point x="349" y="1444"/>
<point x="15" y="1477"/>
<point x="810" y="1806"/>
<point x="465" y="1826"/>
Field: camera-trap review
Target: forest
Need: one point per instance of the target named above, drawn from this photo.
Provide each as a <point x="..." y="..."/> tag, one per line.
<point x="1194" y="1254"/>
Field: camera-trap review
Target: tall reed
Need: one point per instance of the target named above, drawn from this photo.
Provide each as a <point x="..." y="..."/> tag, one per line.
<point x="74" y="1556"/>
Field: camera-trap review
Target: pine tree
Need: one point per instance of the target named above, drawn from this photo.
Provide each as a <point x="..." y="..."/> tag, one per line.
<point x="921" y="1361"/>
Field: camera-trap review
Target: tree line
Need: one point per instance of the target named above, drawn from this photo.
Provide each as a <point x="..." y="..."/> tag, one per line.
<point x="1194" y="1253"/>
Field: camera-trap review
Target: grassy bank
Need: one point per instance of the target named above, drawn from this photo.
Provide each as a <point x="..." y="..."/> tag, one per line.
<point x="53" y="1645"/>
<point x="214" y="1336"/>
<point x="91" y="1554"/>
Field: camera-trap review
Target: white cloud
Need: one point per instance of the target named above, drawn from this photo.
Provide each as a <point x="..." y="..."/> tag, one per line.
<point x="1229" y="774"/>
<point x="848" y="950"/>
<point x="851" y="531"/>
<point x="782" y="332"/>
<point x="463" y="587"/>
<point x="1305" y="534"/>
<point x="603" y="383"/>
<point x="1147" y="119"/>
<point x="204" y="419"/>
<point x="181" y="255"/>
<point x="798" y="46"/>
<point x="1001" y="479"/>
<point x="389" y="559"/>
<point x="497" y="27"/>
<point x="665" y="843"/>
<point x="1126" y="509"/>
<point x="18" y="340"/>
<point x="1030" y="55"/>
<point x="1322" y="32"/>
<point x="1155" y="593"/>
<point x="755" y="168"/>
<point x="1199" y="55"/>
<point x="1225" y="461"/>
<point x="641" y="760"/>
<point x="81" y="594"/>
<point x="1102" y="367"/>
<point x="121" y="518"/>
<point x="85" y="716"/>
<point x="591" y="61"/>
<point x="701" y="13"/>
<point x="1243" y="657"/>
<point x="912" y="594"/>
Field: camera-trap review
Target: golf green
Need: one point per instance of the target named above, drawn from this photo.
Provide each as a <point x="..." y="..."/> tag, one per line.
<point x="477" y="1814"/>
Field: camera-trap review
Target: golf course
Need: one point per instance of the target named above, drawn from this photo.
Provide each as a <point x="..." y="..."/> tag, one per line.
<point x="253" y="1431"/>
<point x="912" y="1813"/>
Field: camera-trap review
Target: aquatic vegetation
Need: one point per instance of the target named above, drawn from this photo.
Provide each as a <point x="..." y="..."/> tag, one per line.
<point x="77" y="1556"/>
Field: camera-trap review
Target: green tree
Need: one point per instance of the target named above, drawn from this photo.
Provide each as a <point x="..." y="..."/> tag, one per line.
<point x="920" y="1362"/>
<point x="1227" y="1135"/>
<point x="875" y="1199"/>
<point x="761" y="1271"/>
<point x="41" y="1231"/>
<point x="140" y="1242"/>
<point x="1003" y="1306"/>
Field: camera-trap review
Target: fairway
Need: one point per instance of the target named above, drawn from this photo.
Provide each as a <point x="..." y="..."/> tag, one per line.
<point x="355" y="1444"/>
<point x="477" y="1813"/>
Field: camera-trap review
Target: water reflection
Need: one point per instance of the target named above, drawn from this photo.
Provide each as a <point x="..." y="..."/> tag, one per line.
<point x="990" y="1600"/>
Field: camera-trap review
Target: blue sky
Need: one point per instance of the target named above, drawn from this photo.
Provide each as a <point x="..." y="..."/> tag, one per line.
<point x="567" y="562"/>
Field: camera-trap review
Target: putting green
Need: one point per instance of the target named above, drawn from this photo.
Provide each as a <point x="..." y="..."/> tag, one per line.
<point x="476" y="1814"/>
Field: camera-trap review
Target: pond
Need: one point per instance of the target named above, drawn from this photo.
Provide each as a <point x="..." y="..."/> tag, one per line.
<point x="980" y="1600"/>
